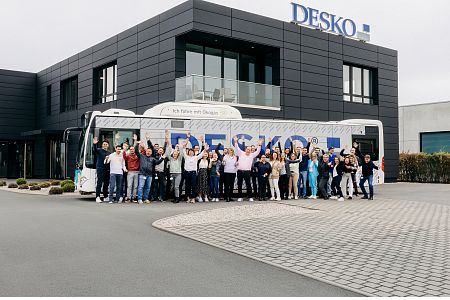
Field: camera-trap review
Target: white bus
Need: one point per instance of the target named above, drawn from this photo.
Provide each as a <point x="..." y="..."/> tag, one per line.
<point x="219" y="124"/>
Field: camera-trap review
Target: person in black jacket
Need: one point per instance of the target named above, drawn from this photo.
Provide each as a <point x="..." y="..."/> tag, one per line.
<point x="324" y="173"/>
<point x="367" y="173"/>
<point x="264" y="170"/>
<point x="102" y="169"/>
<point x="337" y="171"/>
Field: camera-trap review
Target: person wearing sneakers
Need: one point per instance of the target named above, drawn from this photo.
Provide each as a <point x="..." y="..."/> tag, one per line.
<point x="190" y="168"/>
<point x="245" y="167"/>
<point x="324" y="173"/>
<point x="275" y="176"/>
<point x="367" y="173"/>
<point x="146" y="165"/>
<point x="292" y="169"/>
<point x="347" y="178"/>
<point x="117" y="167"/>
<point x="229" y="173"/>
<point x="202" y="178"/>
<point x="102" y="170"/>
<point x="337" y="177"/>
<point x="133" y="170"/>
<point x="313" y="173"/>
<point x="214" y="167"/>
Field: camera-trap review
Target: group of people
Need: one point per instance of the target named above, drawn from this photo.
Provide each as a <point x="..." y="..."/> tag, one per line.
<point x="142" y="172"/>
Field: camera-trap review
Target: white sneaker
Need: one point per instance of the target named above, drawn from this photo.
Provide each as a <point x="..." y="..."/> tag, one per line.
<point x="250" y="199"/>
<point x="147" y="201"/>
<point x="217" y="199"/>
<point x="290" y="197"/>
<point x="278" y="199"/>
<point x="206" y="199"/>
<point x="272" y="198"/>
<point x="140" y="201"/>
<point x="199" y="200"/>
<point x="98" y="200"/>
<point x="110" y="202"/>
<point x="333" y="198"/>
<point x="340" y="199"/>
<point x="310" y="197"/>
<point x="315" y="197"/>
<point x="120" y="200"/>
<point x="296" y="197"/>
<point x="239" y="200"/>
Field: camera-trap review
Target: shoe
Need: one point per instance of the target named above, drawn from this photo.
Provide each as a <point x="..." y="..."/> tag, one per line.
<point x="111" y="202"/>
<point x="296" y="197"/>
<point x="310" y="197"/>
<point x="314" y="197"/>
<point x="250" y="199"/>
<point x="370" y="198"/>
<point x="98" y="200"/>
<point x="239" y="200"/>
<point x="120" y="200"/>
<point x="147" y="201"/>
<point x="272" y="198"/>
<point x="206" y="199"/>
<point x="326" y="198"/>
<point x="278" y="199"/>
<point x="333" y="198"/>
<point x="140" y="201"/>
<point x="199" y="199"/>
<point x="364" y="197"/>
<point x="340" y="199"/>
<point x="350" y="198"/>
<point x="290" y="197"/>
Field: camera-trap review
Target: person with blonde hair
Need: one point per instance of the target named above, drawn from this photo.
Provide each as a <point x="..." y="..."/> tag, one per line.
<point x="313" y="172"/>
<point x="275" y="176"/>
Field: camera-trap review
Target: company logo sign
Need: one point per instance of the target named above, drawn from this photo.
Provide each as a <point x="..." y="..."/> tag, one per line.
<point x="328" y="22"/>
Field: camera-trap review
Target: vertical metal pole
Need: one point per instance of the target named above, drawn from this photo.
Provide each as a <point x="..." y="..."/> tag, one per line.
<point x="25" y="160"/>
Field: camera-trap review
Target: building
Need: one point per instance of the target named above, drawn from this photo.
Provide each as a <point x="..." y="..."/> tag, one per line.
<point x="425" y="127"/>
<point x="198" y="51"/>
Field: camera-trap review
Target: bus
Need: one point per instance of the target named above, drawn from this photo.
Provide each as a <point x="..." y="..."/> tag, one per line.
<point x="218" y="123"/>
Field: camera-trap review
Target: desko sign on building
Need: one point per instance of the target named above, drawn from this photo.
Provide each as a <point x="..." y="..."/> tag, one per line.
<point x="328" y="22"/>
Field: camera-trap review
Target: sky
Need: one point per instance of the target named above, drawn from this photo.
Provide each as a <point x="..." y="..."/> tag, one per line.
<point x="37" y="34"/>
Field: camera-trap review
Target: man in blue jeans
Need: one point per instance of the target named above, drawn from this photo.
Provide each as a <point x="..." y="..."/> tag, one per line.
<point x="147" y="163"/>
<point x="117" y="167"/>
<point x="367" y="172"/>
<point x="303" y="169"/>
<point x="101" y="168"/>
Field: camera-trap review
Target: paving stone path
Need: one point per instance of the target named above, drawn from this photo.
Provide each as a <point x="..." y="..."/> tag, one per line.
<point x="376" y="248"/>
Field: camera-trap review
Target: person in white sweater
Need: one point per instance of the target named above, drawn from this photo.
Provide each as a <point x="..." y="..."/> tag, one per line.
<point x="117" y="167"/>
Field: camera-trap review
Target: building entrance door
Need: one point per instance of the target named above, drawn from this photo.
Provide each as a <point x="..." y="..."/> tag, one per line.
<point x="57" y="159"/>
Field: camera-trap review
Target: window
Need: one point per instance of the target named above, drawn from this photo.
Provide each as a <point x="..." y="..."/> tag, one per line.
<point x="49" y="100"/>
<point x="69" y="94"/>
<point x="105" y="83"/>
<point x="431" y="142"/>
<point x="358" y="84"/>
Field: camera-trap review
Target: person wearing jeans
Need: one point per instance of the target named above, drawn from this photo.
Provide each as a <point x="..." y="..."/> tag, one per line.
<point x="146" y="165"/>
<point x="263" y="170"/>
<point x="117" y="167"/>
<point x="102" y="170"/>
<point x="229" y="173"/>
<point x="275" y="176"/>
<point x="214" y="166"/>
<point x="367" y="173"/>
<point x="132" y="161"/>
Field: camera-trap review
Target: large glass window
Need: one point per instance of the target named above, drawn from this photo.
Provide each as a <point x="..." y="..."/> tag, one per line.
<point x="194" y="59"/>
<point x="105" y="83"/>
<point x="358" y="84"/>
<point x="69" y="94"/>
<point x="431" y="142"/>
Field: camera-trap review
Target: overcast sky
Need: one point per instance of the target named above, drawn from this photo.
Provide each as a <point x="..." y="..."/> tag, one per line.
<point x="36" y="34"/>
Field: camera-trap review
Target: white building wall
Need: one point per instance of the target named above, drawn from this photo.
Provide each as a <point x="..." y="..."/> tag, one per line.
<point x="414" y="119"/>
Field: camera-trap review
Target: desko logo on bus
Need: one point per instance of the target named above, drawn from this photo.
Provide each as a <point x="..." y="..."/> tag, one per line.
<point x="328" y="22"/>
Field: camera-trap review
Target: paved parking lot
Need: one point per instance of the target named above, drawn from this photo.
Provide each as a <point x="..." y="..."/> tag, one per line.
<point x="397" y="245"/>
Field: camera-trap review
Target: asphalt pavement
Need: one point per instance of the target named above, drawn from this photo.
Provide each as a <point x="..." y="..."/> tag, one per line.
<point x="71" y="246"/>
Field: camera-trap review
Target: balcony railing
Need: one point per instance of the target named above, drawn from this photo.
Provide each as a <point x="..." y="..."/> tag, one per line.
<point x="227" y="91"/>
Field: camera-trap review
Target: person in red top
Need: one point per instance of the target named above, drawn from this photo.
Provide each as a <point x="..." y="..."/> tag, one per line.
<point x="133" y="170"/>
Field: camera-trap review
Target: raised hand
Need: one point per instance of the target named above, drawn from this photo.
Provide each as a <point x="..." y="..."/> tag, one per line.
<point x="188" y="135"/>
<point x="309" y="140"/>
<point x="206" y="147"/>
<point x="135" y="137"/>
<point x="235" y="139"/>
<point x="95" y="140"/>
<point x="117" y="136"/>
<point x="147" y="136"/>
<point x="270" y="139"/>
<point x="355" y="145"/>
<point x="260" y="141"/>
<point x="167" y="134"/>
<point x="290" y="138"/>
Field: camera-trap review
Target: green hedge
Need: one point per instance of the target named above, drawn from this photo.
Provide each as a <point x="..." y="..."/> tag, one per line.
<point x="424" y="167"/>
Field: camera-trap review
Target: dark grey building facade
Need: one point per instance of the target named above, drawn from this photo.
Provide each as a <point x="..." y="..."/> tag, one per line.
<point x="314" y="71"/>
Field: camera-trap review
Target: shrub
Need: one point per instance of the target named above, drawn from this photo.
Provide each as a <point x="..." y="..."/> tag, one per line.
<point x="55" y="182"/>
<point x="68" y="187"/>
<point x="56" y="190"/>
<point x="424" y="167"/>
<point x="44" y="185"/>
<point x="2" y="183"/>
<point x="33" y="183"/>
<point x="13" y="185"/>
<point x="23" y="187"/>
<point x="66" y="181"/>
<point x="21" y="181"/>
<point x="35" y="188"/>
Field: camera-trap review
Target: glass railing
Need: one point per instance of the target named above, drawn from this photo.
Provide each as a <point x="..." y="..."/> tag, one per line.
<point x="227" y="91"/>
